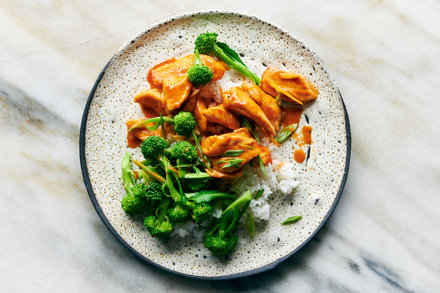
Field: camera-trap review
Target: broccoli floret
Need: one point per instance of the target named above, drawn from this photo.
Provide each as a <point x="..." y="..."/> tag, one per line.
<point x="184" y="123"/>
<point x="183" y="151"/>
<point x="221" y="245"/>
<point x="131" y="205"/>
<point x="200" y="211"/>
<point x="154" y="191"/>
<point x="135" y="200"/>
<point x="153" y="146"/>
<point x="207" y="43"/>
<point x="199" y="74"/>
<point x="159" y="225"/>
<point x="178" y="213"/>
<point x="221" y="238"/>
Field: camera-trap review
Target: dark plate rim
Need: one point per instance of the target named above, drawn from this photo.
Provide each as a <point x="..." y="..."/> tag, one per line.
<point x="85" y="173"/>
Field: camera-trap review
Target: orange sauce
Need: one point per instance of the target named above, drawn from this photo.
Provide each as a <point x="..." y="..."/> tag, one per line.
<point x="291" y="116"/>
<point x="307" y="134"/>
<point x="299" y="155"/>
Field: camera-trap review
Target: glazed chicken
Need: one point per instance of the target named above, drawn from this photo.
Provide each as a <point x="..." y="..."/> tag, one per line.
<point x="238" y="101"/>
<point x="175" y="91"/>
<point x="266" y="102"/>
<point x="216" y="147"/>
<point x="179" y="67"/>
<point x="151" y="102"/>
<point x="138" y="135"/>
<point x="292" y="86"/>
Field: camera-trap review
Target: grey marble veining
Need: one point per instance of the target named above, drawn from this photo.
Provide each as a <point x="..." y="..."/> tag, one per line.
<point x="383" y="236"/>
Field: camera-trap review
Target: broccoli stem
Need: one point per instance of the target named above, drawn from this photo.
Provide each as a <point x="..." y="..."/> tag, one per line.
<point x="177" y="195"/>
<point x="210" y="195"/>
<point x="161" y="211"/>
<point x="235" y="65"/>
<point x="127" y="173"/>
<point x="197" y="60"/>
<point x="226" y="225"/>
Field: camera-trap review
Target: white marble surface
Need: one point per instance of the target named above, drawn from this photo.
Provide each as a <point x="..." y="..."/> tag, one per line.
<point x="384" y="235"/>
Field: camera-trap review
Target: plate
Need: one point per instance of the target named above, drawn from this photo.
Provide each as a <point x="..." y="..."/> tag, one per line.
<point x="261" y="44"/>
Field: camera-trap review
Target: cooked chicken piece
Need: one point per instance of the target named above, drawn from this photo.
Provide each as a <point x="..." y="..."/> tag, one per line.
<point x="292" y="87"/>
<point x="220" y="115"/>
<point x="177" y="67"/>
<point x="216" y="147"/>
<point x="138" y="135"/>
<point x="151" y="100"/>
<point x="176" y="90"/>
<point x="202" y="123"/>
<point x="191" y="102"/>
<point x="237" y="100"/>
<point x="213" y="128"/>
<point x="266" y="102"/>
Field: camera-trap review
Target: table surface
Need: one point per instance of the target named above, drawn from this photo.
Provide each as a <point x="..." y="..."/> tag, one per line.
<point x="384" y="234"/>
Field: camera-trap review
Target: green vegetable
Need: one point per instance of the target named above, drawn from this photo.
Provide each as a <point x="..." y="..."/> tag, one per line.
<point x="292" y="220"/>
<point x="251" y="128"/>
<point x="210" y="195"/>
<point x="159" y="225"/>
<point x="286" y="132"/>
<point x="206" y="161"/>
<point x="178" y="213"/>
<point x="258" y="194"/>
<point x="135" y="200"/>
<point x="250" y="224"/>
<point x="221" y="238"/>
<point x="184" y="123"/>
<point x="153" y="146"/>
<point x="232" y="153"/>
<point x="207" y="43"/>
<point x="199" y="74"/>
<point x="200" y="211"/>
<point x="127" y="173"/>
<point x="182" y="151"/>
<point x="230" y="162"/>
<point x="153" y="191"/>
<point x="263" y="168"/>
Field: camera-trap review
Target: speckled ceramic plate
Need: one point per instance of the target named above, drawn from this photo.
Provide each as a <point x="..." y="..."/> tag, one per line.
<point x="322" y="176"/>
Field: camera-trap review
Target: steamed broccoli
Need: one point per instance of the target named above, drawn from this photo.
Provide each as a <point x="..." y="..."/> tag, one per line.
<point x="183" y="152"/>
<point x="134" y="201"/>
<point x="131" y="205"/>
<point x="184" y="123"/>
<point x="200" y="211"/>
<point x="221" y="238"/>
<point x="153" y="146"/>
<point x="178" y="213"/>
<point x="207" y="43"/>
<point x="153" y="191"/>
<point x="199" y="74"/>
<point x="159" y="225"/>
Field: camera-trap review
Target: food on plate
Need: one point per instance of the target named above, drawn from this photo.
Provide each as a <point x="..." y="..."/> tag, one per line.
<point x="209" y="149"/>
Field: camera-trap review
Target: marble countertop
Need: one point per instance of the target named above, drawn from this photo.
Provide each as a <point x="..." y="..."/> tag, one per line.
<point x="384" y="235"/>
